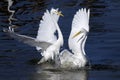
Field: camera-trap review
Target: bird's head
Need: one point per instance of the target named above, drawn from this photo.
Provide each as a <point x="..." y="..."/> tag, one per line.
<point x="55" y="11"/>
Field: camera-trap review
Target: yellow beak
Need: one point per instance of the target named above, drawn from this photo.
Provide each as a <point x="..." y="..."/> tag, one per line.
<point x="60" y="14"/>
<point x="76" y="34"/>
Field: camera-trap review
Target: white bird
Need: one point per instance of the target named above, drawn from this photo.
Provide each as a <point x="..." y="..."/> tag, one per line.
<point x="46" y="40"/>
<point x="50" y="45"/>
<point x="80" y="28"/>
<point x="46" y="32"/>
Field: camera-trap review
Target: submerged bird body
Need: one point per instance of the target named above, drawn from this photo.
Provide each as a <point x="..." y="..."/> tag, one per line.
<point x="73" y="59"/>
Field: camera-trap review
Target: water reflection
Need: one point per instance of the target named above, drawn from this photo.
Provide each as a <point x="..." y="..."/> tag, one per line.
<point x="24" y="13"/>
<point x="55" y="74"/>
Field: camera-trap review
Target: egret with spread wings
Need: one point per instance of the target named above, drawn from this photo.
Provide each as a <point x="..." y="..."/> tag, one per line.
<point x="79" y="30"/>
<point x="46" y="40"/>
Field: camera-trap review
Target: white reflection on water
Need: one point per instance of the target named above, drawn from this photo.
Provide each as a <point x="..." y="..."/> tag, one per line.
<point x="10" y="2"/>
<point x="48" y="72"/>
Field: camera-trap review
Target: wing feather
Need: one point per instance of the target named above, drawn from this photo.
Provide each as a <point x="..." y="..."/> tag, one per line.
<point x="28" y="40"/>
<point x="47" y="29"/>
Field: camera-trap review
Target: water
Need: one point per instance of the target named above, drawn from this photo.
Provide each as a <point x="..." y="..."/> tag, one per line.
<point x="18" y="61"/>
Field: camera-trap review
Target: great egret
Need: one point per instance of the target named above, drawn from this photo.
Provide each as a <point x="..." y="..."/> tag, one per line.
<point x="46" y="39"/>
<point x="50" y="45"/>
<point x="47" y="33"/>
<point x="80" y="28"/>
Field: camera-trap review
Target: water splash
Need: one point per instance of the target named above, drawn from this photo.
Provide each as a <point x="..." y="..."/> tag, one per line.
<point x="11" y="27"/>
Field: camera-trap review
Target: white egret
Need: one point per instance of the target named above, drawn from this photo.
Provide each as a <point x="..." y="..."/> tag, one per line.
<point x="46" y="33"/>
<point x="46" y="39"/>
<point x="76" y="41"/>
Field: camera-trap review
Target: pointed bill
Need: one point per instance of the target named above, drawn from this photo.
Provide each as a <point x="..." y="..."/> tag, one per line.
<point x="59" y="13"/>
<point x="76" y="34"/>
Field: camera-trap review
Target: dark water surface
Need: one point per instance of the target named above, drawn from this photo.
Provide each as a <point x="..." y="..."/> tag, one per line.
<point x="18" y="61"/>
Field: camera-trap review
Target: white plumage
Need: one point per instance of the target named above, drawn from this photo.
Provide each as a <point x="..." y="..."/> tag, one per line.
<point x="80" y="23"/>
<point x="47" y="29"/>
<point x="46" y="32"/>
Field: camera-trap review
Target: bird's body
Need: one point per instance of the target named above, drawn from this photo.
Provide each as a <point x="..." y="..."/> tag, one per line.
<point x="74" y="59"/>
<point x="80" y="28"/>
<point x="50" y="44"/>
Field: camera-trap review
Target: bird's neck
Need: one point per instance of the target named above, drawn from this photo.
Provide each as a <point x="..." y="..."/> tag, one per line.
<point x="60" y="36"/>
<point x="83" y="45"/>
<point x="81" y="53"/>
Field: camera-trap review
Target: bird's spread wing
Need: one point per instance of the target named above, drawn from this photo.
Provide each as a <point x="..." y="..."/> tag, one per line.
<point x="80" y="20"/>
<point x="28" y="40"/>
<point x="47" y="28"/>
